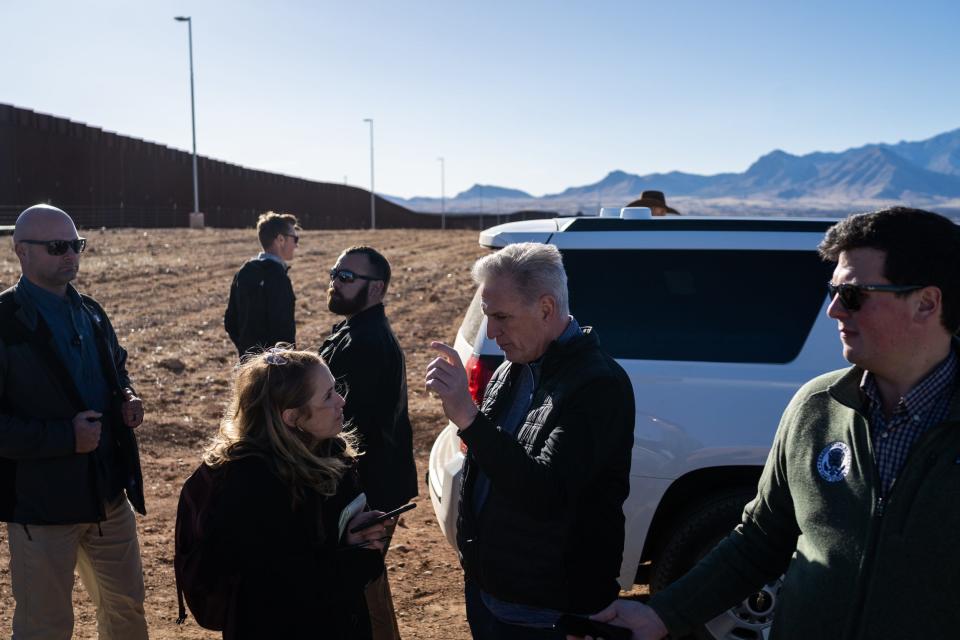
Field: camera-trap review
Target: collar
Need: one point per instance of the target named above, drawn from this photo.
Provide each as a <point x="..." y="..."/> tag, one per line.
<point x="40" y="297"/>
<point x="568" y="340"/>
<point x="265" y="255"/>
<point x="370" y="315"/>
<point x="28" y="311"/>
<point x="924" y="394"/>
<point x="571" y="332"/>
<point x="846" y="390"/>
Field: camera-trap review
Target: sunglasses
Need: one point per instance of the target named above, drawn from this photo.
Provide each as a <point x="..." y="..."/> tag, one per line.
<point x="274" y="356"/>
<point x="59" y="247"/>
<point x="296" y="238"/>
<point x="851" y="295"/>
<point x="346" y="276"/>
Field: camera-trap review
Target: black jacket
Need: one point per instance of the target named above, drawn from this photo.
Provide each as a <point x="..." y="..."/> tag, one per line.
<point x="260" y="312"/>
<point x="364" y="355"/>
<point x="293" y="578"/>
<point x="551" y="530"/>
<point x="42" y="479"/>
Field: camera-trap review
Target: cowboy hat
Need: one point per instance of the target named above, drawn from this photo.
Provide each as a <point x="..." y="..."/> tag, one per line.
<point x="653" y="199"/>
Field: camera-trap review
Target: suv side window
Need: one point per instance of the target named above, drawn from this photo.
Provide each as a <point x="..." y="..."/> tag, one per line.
<point x="698" y="305"/>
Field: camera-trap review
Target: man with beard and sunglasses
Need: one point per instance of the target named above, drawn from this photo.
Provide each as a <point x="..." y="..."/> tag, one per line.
<point x="260" y="312"/>
<point x="859" y="502"/>
<point x="364" y="356"/>
<point x="69" y="467"/>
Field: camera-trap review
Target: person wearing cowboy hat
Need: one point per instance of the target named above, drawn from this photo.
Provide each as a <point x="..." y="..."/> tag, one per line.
<point x="656" y="202"/>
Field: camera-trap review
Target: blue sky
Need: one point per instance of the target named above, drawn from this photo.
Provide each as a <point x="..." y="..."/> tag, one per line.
<point x="532" y="95"/>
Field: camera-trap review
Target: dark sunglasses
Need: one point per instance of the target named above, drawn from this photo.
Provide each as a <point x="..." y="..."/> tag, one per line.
<point x="296" y="238"/>
<point x="59" y="247"/>
<point x="851" y="295"/>
<point x="346" y="276"/>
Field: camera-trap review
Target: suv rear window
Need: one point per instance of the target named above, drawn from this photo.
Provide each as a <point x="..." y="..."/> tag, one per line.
<point x="708" y="306"/>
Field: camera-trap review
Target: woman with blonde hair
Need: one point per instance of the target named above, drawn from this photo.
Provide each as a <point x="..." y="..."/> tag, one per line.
<point x="276" y="528"/>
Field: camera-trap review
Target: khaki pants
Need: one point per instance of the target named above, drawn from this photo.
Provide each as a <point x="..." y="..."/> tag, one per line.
<point x="42" y="561"/>
<point x="383" y="618"/>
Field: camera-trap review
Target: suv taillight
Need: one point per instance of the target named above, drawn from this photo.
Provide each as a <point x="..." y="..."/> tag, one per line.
<point x="479" y="371"/>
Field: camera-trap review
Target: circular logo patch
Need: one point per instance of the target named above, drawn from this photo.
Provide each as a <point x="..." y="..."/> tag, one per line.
<point x="834" y="462"/>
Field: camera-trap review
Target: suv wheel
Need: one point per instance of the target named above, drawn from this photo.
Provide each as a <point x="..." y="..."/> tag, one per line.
<point x="697" y="534"/>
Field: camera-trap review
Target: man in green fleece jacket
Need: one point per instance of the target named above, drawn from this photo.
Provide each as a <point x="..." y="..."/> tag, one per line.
<point x="859" y="502"/>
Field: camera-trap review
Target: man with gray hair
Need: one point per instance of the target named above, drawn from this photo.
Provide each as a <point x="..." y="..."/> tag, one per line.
<point x="540" y="528"/>
<point x="68" y="455"/>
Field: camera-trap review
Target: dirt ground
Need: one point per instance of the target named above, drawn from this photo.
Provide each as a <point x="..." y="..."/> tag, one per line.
<point x="165" y="291"/>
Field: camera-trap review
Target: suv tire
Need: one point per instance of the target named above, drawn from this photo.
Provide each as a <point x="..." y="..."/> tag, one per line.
<point x="698" y="532"/>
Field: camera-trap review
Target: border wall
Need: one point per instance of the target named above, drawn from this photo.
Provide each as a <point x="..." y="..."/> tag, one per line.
<point x="104" y="179"/>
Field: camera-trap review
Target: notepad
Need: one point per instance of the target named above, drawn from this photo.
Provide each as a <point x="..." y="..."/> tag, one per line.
<point x="356" y="506"/>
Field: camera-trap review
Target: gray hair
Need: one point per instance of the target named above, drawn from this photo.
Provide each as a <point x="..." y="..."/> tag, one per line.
<point x="535" y="269"/>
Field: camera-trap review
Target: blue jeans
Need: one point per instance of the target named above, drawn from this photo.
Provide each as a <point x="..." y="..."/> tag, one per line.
<point x="484" y="626"/>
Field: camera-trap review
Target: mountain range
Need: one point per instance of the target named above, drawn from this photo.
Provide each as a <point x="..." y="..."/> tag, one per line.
<point x="925" y="173"/>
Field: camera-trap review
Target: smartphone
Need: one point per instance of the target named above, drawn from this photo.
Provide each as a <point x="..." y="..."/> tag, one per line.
<point x="386" y="516"/>
<point x="581" y="626"/>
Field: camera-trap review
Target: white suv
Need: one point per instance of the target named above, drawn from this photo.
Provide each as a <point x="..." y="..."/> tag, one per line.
<point x="717" y="321"/>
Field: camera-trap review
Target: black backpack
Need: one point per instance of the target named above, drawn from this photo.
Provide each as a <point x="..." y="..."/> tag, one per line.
<point x="235" y="325"/>
<point x="203" y="584"/>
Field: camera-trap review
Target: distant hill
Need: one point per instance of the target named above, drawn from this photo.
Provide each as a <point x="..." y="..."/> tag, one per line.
<point x="490" y="191"/>
<point x="940" y="154"/>
<point x="628" y="186"/>
<point x="924" y="173"/>
<point x="478" y="198"/>
<point x="872" y="172"/>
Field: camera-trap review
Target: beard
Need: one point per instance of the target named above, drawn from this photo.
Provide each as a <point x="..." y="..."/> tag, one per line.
<point x="343" y="306"/>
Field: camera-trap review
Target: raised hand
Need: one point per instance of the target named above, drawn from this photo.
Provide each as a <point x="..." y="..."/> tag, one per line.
<point x="447" y="378"/>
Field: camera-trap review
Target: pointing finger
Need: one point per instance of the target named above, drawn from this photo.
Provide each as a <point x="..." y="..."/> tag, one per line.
<point x="449" y="353"/>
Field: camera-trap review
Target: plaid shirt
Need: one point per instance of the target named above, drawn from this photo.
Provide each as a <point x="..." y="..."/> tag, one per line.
<point x="926" y="405"/>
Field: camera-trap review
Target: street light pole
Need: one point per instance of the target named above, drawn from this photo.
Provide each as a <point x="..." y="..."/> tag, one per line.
<point x="193" y="115"/>
<point x="373" y="205"/>
<point x="443" y="195"/>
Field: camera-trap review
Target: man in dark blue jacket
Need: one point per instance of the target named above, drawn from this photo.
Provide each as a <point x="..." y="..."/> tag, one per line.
<point x="67" y="450"/>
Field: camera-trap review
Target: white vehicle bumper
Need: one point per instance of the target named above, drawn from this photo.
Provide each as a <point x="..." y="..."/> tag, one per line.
<point x="445" y="474"/>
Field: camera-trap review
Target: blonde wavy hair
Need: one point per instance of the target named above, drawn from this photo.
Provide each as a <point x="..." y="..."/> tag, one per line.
<point x="265" y="385"/>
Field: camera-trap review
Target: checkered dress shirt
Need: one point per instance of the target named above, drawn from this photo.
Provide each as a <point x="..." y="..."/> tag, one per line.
<point x="926" y="405"/>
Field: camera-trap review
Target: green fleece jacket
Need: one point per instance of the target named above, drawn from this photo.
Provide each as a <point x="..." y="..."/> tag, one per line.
<point x="856" y="566"/>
